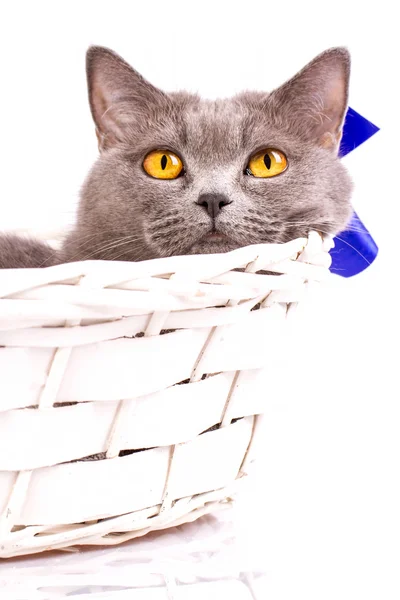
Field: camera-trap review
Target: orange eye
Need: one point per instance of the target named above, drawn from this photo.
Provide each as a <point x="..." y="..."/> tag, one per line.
<point x="267" y="163"/>
<point x="163" y="164"/>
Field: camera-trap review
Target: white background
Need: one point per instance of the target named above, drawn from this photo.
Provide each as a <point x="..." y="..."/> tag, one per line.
<point x="325" y="518"/>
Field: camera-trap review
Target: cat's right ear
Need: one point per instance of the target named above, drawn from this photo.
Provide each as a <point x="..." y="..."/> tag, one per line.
<point x="314" y="101"/>
<point x="118" y="95"/>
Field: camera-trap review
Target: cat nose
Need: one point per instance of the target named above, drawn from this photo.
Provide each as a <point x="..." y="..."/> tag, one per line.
<point x="213" y="203"/>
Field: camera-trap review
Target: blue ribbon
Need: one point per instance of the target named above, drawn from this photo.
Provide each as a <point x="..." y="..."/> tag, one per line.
<point x="354" y="248"/>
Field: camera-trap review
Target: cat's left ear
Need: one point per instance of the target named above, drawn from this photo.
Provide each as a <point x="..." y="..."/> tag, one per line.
<point x="314" y="102"/>
<point x="118" y="96"/>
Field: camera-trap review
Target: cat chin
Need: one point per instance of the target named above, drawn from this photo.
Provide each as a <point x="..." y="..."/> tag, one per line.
<point x="213" y="247"/>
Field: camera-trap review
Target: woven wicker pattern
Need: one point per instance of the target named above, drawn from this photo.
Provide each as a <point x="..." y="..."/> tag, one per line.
<point x="131" y="393"/>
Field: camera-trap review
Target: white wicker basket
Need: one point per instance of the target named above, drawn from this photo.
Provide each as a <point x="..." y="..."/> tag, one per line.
<point x="130" y="392"/>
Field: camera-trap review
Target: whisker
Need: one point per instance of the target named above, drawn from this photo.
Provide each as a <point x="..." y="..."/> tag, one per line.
<point x="353" y="248"/>
<point x="347" y="244"/>
<point x="105" y="252"/>
<point x="307" y="224"/>
<point x="118" y="256"/>
<point x="88" y="239"/>
<point x="110" y="246"/>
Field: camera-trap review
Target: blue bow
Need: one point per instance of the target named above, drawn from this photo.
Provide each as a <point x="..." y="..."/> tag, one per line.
<point x="354" y="248"/>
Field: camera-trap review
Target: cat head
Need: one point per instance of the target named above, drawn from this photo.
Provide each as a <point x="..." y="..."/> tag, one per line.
<point x="182" y="175"/>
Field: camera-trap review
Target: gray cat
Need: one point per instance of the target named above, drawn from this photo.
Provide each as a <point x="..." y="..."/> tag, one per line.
<point x="181" y="175"/>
